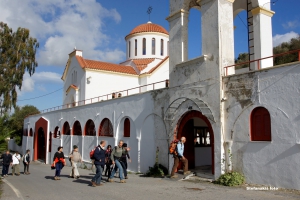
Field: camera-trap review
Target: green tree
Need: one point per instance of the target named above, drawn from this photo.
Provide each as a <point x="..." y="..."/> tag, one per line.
<point x="293" y="44"/>
<point x="16" y="121"/>
<point x="5" y="131"/>
<point x="243" y="57"/>
<point x="17" y="55"/>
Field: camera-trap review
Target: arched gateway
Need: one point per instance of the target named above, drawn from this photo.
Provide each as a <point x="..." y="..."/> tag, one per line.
<point x="199" y="147"/>
<point x="40" y="139"/>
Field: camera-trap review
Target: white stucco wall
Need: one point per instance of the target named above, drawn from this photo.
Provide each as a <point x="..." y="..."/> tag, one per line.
<point x="277" y="90"/>
<point x="103" y="83"/>
<point x="136" y="107"/>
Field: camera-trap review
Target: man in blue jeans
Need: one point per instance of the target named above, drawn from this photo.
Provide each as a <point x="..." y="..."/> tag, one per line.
<point x="99" y="156"/>
<point x="116" y="155"/>
<point x="7" y="161"/>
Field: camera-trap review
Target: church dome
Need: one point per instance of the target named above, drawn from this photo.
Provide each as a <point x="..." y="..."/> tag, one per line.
<point x="148" y="27"/>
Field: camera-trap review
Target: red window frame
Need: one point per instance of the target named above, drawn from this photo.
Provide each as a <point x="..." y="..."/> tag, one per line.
<point x="260" y="125"/>
<point x="106" y="128"/>
<point x="126" y="127"/>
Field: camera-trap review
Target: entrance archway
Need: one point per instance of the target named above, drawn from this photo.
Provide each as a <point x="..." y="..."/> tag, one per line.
<point x="40" y="139"/>
<point x="199" y="147"/>
<point x="41" y="151"/>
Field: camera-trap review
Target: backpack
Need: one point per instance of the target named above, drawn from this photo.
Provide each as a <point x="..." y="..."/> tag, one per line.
<point x="23" y="158"/>
<point x="172" y="148"/>
<point x="92" y="153"/>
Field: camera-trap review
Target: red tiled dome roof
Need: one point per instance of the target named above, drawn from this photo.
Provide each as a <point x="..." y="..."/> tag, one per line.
<point x="149" y="27"/>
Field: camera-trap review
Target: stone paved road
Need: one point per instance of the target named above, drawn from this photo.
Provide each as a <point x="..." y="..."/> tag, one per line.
<point x="39" y="185"/>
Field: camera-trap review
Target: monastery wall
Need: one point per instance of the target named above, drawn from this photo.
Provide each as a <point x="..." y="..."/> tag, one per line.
<point x="277" y="89"/>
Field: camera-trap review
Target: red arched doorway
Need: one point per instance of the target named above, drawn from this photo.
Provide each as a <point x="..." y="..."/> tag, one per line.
<point x="40" y="139"/>
<point x="199" y="145"/>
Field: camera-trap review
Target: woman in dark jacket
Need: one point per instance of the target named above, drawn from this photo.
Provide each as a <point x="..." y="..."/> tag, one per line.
<point x="59" y="162"/>
<point x="108" y="160"/>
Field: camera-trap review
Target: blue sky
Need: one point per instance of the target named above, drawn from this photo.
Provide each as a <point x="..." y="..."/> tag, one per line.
<point x="98" y="27"/>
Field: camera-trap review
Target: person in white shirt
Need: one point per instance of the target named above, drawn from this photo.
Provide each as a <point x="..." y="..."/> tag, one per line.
<point x="16" y="164"/>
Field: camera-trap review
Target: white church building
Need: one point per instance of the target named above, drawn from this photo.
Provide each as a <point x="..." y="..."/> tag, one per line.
<point x="253" y="113"/>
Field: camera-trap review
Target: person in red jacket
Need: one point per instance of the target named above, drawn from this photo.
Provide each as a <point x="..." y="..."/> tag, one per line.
<point x="59" y="162"/>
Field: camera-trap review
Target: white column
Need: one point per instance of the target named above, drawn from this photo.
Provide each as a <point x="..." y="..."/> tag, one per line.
<point x="262" y="29"/>
<point x="178" y="37"/>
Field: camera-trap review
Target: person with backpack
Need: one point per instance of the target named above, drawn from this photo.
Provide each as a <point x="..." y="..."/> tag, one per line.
<point x="99" y="156"/>
<point x="116" y="155"/>
<point x="108" y="161"/>
<point x="178" y="157"/>
<point x="16" y="164"/>
<point x="6" y="162"/>
<point x="26" y="162"/>
<point x="75" y="158"/>
<point x="59" y="162"/>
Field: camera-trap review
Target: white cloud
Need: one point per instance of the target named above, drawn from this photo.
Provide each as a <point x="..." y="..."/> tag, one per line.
<point x="291" y="24"/>
<point x="62" y="25"/>
<point x="278" y="39"/>
<point x="37" y="81"/>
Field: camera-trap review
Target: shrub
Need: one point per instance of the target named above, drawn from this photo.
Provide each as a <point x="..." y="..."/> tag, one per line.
<point x="157" y="170"/>
<point x="231" y="179"/>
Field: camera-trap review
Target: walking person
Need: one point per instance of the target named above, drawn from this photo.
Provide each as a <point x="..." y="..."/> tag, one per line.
<point x="59" y="162"/>
<point x="180" y="158"/>
<point x="108" y="161"/>
<point x="16" y="164"/>
<point x="26" y="162"/>
<point x="123" y="159"/>
<point x="116" y="155"/>
<point x="99" y="156"/>
<point x="6" y="162"/>
<point x="75" y="159"/>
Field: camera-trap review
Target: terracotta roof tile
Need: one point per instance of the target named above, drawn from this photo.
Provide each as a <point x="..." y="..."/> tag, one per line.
<point x="160" y="63"/>
<point x="142" y="63"/>
<point x="149" y="27"/>
<point x="93" y="64"/>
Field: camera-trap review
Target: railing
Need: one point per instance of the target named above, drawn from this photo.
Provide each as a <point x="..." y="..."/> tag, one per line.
<point x="113" y="95"/>
<point x="258" y="61"/>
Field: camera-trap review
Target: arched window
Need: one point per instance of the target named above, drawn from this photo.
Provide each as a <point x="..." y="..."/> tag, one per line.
<point x="260" y="124"/>
<point x="25" y="132"/>
<point x="90" y="128"/>
<point x="129" y="48"/>
<point x="30" y="132"/>
<point x="66" y="128"/>
<point x="153" y="46"/>
<point x="161" y="47"/>
<point x="126" y="127"/>
<point x="144" y="46"/>
<point x="135" y="47"/>
<point x="77" y="128"/>
<point x="106" y="128"/>
<point x="55" y="134"/>
<point x="50" y="141"/>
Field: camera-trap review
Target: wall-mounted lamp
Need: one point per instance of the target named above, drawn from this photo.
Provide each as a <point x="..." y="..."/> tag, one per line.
<point x="74" y="117"/>
<point x="190" y="107"/>
<point x="60" y="119"/>
<point x="97" y="114"/>
<point x="223" y="99"/>
<point x="122" y="112"/>
<point x="89" y="78"/>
